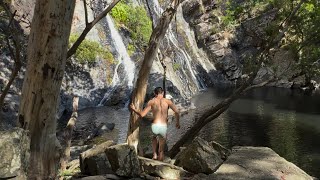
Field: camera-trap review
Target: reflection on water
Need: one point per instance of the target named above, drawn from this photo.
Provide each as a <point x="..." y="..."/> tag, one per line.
<point x="286" y="121"/>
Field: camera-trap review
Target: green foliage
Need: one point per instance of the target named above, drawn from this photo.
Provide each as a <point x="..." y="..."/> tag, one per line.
<point x="176" y="66"/>
<point x="304" y="36"/>
<point x="136" y="20"/>
<point x="68" y="172"/>
<point x="131" y="49"/>
<point x="121" y="13"/>
<point x="236" y="12"/>
<point x="88" y="51"/>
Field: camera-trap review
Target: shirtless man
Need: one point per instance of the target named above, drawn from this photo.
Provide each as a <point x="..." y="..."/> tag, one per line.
<point x="159" y="106"/>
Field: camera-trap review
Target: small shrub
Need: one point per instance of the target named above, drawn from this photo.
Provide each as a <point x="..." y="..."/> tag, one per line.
<point x="176" y="66"/>
<point x="131" y="49"/>
<point x="88" y="51"/>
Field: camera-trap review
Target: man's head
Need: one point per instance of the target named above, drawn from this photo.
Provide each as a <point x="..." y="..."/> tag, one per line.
<point x="157" y="91"/>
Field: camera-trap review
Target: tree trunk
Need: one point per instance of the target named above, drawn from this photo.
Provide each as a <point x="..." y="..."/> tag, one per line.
<point x="68" y="135"/>
<point x="46" y="57"/>
<point x="141" y="84"/>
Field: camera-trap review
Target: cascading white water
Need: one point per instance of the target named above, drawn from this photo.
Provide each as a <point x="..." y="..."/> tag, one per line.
<point x="121" y="49"/>
<point x="186" y="56"/>
<point x="157" y="11"/>
<point x="123" y="58"/>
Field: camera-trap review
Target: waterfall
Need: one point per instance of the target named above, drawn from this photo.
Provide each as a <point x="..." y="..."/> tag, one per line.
<point x="123" y="58"/>
<point x="122" y="54"/>
<point x="170" y="36"/>
<point x="186" y="57"/>
<point x="115" y="82"/>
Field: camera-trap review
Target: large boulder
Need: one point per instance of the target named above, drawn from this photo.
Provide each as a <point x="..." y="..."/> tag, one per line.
<point x="199" y="157"/>
<point x="94" y="161"/>
<point x="14" y="153"/>
<point x="161" y="169"/>
<point x="124" y="160"/>
<point x="257" y="163"/>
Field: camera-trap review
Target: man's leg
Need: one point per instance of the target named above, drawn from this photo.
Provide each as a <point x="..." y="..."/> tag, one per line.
<point x="162" y="142"/>
<point x="154" y="147"/>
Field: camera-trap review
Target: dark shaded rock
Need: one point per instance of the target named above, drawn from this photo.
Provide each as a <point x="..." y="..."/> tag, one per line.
<point x="14" y="153"/>
<point x="199" y="157"/>
<point x="200" y="176"/>
<point x="192" y="8"/>
<point x="124" y="160"/>
<point x="101" y="129"/>
<point x="75" y="151"/>
<point x="109" y="126"/>
<point x="94" y="161"/>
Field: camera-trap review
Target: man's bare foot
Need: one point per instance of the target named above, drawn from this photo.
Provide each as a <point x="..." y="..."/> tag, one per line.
<point x="155" y="157"/>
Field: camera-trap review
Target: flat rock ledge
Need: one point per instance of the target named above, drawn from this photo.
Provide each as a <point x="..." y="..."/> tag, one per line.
<point x="257" y="163"/>
<point x="163" y="170"/>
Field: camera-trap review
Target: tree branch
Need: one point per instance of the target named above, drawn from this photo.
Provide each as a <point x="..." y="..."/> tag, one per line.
<point x="85" y="12"/>
<point x="88" y="27"/>
<point x="12" y="18"/>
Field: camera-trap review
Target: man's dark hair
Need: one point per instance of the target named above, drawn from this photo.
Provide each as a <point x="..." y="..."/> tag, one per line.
<point x="158" y="90"/>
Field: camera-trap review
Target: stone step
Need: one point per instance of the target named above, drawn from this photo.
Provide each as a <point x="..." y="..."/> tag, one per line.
<point x="163" y="170"/>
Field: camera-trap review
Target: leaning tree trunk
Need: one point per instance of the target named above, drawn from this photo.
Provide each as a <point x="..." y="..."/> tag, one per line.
<point x="141" y="85"/>
<point x="46" y="57"/>
<point x="205" y="118"/>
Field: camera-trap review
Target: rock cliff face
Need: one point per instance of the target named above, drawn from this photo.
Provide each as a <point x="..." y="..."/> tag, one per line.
<point x="226" y="48"/>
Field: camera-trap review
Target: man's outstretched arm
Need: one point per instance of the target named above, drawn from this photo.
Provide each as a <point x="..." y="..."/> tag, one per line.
<point x="143" y="112"/>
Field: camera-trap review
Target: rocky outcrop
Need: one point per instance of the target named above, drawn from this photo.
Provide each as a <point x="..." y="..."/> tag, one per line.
<point x="163" y="170"/>
<point x="94" y="161"/>
<point x="124" y="160"/>
<point x="14" y="153"/>
<point x="205" y="18"/>
<point x="230" y="47"/>
<point x="257" y="163"/>
<point x="199" y="157"/>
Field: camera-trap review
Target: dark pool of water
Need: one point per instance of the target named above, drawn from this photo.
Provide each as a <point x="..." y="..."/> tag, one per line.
<point x="286" y="121"/>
